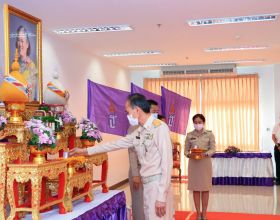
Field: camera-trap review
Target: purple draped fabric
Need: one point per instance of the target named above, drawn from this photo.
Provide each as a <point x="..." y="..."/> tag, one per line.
<point x="106" y="108"/>
<point x="112" y="209"/>
<point x="147" y="94"/>
<point x="176" y="109"/>
<point x="245" y="181"/>
<point x="243" y="155"/>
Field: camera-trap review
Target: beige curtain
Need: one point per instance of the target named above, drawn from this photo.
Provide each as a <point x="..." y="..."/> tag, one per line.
<point x="189" y="88"/>
<point x="231" y="107"/>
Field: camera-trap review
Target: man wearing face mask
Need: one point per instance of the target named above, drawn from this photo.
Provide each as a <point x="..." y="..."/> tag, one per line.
<point x="153" y="146"/>
<point x="136" y="187"/>
<point x="154" y="109"/>
<point x="200" y="171"/>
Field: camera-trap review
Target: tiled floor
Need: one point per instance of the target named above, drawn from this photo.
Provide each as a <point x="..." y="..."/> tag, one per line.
<point x="239" y="199"/>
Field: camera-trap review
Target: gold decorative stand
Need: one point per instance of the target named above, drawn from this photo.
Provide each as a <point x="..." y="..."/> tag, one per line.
<point x="78" y="182"/>
<point x="100" y="160"/>
<point x="97" y="160"/>
<point x="9" y="153"/>
<point x="36" y="174"/>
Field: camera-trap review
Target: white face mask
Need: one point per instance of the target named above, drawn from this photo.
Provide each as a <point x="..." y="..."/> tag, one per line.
<point x="198" y="127"/>
<point x="132" y="121"/>
<point x="155" y="115"/>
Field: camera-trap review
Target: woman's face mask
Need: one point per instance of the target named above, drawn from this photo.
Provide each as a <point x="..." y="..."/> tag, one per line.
<point x="198" y="127"/>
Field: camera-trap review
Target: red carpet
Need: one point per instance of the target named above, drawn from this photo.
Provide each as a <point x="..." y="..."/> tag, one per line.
<point x="181" y="215"/>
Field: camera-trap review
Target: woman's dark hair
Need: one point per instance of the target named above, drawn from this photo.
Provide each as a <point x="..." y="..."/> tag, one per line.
<point x="201" y="116"/>
<point x="152" y="102"/>
<point x="140" y="101"/>
<point x="23" y="29"/>
<point x="160" y="117"/>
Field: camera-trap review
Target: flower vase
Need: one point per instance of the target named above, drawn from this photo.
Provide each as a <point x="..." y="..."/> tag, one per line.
<point x="39" y="155"/>
<point x="87" y="143"/>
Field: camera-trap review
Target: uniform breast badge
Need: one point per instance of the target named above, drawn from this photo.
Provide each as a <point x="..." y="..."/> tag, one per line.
<point x="156" y="123"/>
<point x="147" y="141"/>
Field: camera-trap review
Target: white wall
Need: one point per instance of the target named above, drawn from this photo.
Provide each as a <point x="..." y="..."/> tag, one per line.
<point x="137" y="77"/>
<point x="266" y="102"/>
<point x="277" y="90"/>
<point x="75" y="67"/>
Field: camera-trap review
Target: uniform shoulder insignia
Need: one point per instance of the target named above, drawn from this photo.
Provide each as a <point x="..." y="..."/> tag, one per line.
<point x="157" y="122"/>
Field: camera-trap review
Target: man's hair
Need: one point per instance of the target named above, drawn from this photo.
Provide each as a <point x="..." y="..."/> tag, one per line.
<point x="152" y="102"/>
<point x="136" y="99"/>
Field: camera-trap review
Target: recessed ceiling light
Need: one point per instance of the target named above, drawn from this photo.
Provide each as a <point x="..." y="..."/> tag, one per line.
<point x="233" y="20"/>
<point x="132" y="53"/>
<point x="238" y="61"/>
<point x="83" y="30"/>
<point x="223" y="49"/>
<point x="151" y="65"/>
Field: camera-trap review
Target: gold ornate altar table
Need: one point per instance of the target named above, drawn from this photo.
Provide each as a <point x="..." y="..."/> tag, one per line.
<point x="80" y="182"/>
<point x="9" y="152"/>
<point x="35" y="173"/>
<point x="97" y="160"/>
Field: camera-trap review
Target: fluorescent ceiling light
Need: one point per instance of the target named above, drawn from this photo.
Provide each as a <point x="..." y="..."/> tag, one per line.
<point x="224" y="49"/>
<point x="83" y="30"/>
<point x="133" y="53"/>
<point x="233" y="20"/>
<point x="151" y="65"/>
<point x="238" y="61"/>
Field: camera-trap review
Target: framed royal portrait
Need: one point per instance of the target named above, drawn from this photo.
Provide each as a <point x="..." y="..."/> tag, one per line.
<point x="23" y="32"/>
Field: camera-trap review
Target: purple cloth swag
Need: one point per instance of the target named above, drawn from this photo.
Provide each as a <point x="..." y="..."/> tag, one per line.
<point x="112" y="209"/>
<point x="243" y="155"/>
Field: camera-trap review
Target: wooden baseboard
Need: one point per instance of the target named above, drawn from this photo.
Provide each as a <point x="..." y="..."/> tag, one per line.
<point x="118" y="184"/>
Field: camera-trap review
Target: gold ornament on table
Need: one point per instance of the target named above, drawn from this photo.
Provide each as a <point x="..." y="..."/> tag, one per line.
<point x="72" y="162"/>
<point x="39" y="155"/>
<point x="55" y="95"/>
<point x="14" y="92"/>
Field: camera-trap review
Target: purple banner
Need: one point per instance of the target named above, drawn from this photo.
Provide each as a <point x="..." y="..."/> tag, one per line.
<point x="106" y="108"/>
<point x="147" y="94"/>
<point x="176" y="109"/>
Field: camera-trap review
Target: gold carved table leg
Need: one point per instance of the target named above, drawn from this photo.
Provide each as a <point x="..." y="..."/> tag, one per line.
<point x="67" y="202"/>
<point x="11" y="196"/>
<point x="89" y="196"/>
<point x="2" y="190"/>
<point x="104" y="176"/>
<point x="36" y="182"/>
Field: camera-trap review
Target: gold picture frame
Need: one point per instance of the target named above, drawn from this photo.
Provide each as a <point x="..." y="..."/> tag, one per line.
<point x="24" y="32"/>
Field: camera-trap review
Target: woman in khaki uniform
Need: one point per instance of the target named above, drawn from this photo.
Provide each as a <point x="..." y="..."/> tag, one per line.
<point x="200" y="170"/>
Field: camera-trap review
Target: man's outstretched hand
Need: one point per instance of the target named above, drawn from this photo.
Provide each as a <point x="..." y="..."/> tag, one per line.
<point x="78" y="152"/>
